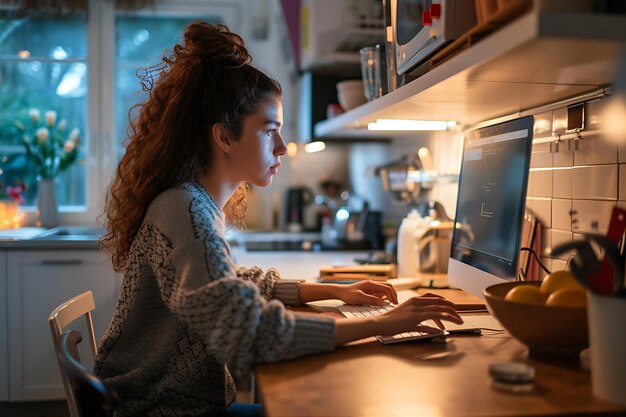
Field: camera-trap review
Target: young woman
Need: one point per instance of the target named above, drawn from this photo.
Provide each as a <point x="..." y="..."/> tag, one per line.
<point x="187" y="316"/>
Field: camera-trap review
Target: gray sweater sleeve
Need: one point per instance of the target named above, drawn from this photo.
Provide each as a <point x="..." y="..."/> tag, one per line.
<point x="198" y="282"/>
<point x="239" y="326"/>
<point x="271" y="286"/>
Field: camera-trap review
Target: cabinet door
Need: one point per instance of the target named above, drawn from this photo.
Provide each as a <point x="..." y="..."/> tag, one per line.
<point x="4" y="359"/>
<point x="38" y="281"/>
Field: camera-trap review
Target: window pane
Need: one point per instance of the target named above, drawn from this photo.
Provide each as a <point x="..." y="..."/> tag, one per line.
<point x="140" y="42"/>
<point x="42" y="66"/>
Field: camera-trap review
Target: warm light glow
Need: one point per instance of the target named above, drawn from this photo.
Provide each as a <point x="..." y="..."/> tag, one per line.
<point x="614" y="117"/>
<point x="314" y="147"/>
<point x="403" y="124"/>
<point x="451" y="123"/>
<point x="10" y="215"/>
<point x="23" y="54"/>
<point x="292" y="149"/>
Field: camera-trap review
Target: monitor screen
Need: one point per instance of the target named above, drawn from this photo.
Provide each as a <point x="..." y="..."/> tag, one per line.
<point x="490" y="205"/>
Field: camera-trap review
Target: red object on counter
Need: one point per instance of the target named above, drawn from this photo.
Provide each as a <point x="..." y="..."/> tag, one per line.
<point x="426" y="20"/>
<point x="602" y="281"/>
<point x="435" y="11"/>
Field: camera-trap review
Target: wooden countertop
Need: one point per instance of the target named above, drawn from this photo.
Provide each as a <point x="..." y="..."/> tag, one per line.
<point x="416" y="379"/>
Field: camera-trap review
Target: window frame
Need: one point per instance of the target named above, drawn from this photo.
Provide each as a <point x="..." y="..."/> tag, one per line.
<point x="101" y="152"/>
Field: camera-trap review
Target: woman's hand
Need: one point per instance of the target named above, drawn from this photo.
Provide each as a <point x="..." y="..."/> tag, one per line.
<point x="407" y="317"/>
<point x="363" y="292"/>
<point x="367" y="292"/>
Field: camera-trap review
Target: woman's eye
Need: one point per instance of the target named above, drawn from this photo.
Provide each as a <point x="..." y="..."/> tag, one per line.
<point x="270" y="132"/>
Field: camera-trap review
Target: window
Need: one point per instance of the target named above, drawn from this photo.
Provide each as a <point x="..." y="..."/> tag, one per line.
<point x="43" y="65"/>
<point x="86" y="72"/>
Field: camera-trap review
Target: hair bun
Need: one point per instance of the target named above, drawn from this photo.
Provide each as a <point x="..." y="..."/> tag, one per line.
<point x="216" y="43"/>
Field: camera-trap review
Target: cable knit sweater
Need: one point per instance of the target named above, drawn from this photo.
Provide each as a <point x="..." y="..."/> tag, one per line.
<point x="187" y="316"/>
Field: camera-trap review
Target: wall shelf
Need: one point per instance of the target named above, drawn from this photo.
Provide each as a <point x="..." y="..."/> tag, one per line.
<point x="541" y="57"/>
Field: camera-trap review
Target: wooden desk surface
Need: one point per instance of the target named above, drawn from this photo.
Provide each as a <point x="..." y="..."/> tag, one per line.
<point x="416" y="379"/>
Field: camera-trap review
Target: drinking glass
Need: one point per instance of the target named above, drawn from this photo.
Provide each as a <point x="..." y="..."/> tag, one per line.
<point x="370" y="71"/>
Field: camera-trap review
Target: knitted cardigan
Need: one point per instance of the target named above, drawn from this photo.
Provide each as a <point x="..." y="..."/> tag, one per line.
<point x="187" y="317"/>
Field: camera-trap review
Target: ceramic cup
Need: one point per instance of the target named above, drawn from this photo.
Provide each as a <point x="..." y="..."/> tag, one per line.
<point x="607" y="347"/>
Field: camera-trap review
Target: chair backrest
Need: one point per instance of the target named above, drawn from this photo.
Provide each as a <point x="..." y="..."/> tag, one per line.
<point x="93" y="398"/>
<point x="59" y="319"/>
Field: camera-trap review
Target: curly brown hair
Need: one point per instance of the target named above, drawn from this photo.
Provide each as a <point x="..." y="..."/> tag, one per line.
<point x="206" y="80"/>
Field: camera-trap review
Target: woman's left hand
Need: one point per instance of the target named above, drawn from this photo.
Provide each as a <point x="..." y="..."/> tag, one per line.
<point x="367" y="292"/>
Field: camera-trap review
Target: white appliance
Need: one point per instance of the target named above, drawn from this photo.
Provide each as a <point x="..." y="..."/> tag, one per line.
<point x="421" y="27"/>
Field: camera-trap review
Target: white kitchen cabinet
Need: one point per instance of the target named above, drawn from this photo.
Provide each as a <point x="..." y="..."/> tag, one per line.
<point x="4" y="358"/>
<point x="37" y="282"/>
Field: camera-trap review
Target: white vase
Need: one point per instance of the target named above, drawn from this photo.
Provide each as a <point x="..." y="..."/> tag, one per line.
<point x="47" y="210"/>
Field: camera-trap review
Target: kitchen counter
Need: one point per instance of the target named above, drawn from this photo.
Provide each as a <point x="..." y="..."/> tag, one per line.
<point x="61" y="237"/>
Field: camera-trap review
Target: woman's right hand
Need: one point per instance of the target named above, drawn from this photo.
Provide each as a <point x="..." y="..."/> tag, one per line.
<point x="408" y="315"/>
<point x="404" y="318"/>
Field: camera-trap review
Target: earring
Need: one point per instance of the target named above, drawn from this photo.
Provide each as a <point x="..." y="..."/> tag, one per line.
<point x="228" y="154"/>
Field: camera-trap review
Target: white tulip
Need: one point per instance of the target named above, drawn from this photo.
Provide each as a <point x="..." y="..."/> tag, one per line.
<point x="42" y="134"/>
<point x="74" y="134"/>
<point x="51" y="118"/>
<point x="34" y="115"/>
<point x="69" y="145"/>
<point x="62" y="125"/>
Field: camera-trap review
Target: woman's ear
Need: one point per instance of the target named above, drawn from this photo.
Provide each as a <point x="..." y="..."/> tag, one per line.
<point x="220" y="135"/>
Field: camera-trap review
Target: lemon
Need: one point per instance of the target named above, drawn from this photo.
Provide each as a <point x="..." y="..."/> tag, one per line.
<point x="527" y="294"/>
<point x="567" y="297"/>
<point x="560" y="280"/>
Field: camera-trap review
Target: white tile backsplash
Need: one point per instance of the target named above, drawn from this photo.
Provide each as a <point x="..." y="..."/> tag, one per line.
<point x="541" y="156"/>
<point x="564" y="157"/>
<point x="562" y="183"/>
<point x="589" y="216"/>
<point x="559" y="237"/>
<point x="562" y="214"/>
<point x="594" y="149"/>
<point x="622" y="183"/>
<point x="542" y="208"/>
<point x="597" y="182"/>
<point x="542" y="183"/>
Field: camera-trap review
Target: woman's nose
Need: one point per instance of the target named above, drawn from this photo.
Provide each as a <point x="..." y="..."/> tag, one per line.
<point x="280" y="148"/>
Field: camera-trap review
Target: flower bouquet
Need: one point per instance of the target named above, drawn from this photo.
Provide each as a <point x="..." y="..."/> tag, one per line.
<point x="51" y="150"/>
<point x="46" y="145"/>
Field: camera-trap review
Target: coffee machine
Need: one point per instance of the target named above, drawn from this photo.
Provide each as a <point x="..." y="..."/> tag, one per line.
<point x="296" y="201"/>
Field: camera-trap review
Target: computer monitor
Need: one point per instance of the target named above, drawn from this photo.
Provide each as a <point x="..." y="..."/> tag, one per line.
<point x="490" y="205"/>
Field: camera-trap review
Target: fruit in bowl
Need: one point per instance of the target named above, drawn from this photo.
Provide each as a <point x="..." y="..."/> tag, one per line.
<point x="549" y="317"/>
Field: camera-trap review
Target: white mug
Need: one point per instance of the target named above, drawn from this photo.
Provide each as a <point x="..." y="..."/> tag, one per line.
<point x="607" y="346"/>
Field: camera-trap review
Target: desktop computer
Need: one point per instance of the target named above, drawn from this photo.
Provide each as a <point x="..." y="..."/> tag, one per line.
<point x="490" y="205"/>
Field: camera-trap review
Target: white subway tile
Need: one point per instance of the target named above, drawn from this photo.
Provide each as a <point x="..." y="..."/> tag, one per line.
<point x="547" y="262"/>
<point x="591" y="216"/>
<point x="562" y="183"/>
<point x="594" y="150"/>
<point x="562" y="214"/>
<point x="622" y="182"/>
<point x="542" y="183"/>
<point x="594" y="114"/>
<point x="543" y="124"/>
<point x="558" y="265"/>
<point x="564" y="157"/>
<point x="559" y="237"/>
<point x="559" y="122"/>
<point x="541" y="156"/>
<point x="542" y="208"/>
<point x="597" y="182"/>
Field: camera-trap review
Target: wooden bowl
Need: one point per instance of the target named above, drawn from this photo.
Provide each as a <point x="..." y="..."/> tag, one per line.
<point x="548" y="331"/>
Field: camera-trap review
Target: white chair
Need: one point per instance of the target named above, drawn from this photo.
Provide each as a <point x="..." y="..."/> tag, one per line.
<point x="59" y="319"/>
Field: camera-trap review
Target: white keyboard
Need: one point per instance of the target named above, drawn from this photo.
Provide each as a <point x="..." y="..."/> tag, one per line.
<point x="357" y="311"/>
